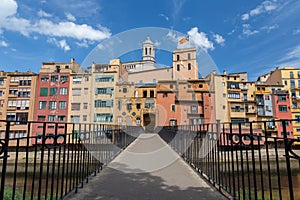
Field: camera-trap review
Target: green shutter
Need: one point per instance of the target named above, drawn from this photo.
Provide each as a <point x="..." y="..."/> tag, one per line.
<point x="52" y="91"/>
<point x="44" y="92"/>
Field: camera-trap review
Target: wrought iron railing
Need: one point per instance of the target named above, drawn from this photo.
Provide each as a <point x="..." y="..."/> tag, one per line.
<point x="240" y="160"/>
<point x="50" y="166"/>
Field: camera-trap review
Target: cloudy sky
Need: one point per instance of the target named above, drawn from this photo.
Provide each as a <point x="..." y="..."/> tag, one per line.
<point x="239" y="35"/>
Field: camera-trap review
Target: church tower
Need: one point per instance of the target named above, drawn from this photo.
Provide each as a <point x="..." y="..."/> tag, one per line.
<point x="148" y="50"/>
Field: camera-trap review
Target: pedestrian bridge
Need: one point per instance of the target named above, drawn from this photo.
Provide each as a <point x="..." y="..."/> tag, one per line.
<point x="147" y="169"/>
<point x="97" y="161"/>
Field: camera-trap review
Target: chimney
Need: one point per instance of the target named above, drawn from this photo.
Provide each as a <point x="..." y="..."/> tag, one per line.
<point x="224" y="72"/>
<point x="72" y="60"/>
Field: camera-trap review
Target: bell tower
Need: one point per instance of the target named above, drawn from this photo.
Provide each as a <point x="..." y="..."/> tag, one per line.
<point x="148" y="50"/>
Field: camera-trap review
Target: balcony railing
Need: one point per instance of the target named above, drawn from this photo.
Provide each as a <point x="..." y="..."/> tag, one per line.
<point x="50" y="166"/>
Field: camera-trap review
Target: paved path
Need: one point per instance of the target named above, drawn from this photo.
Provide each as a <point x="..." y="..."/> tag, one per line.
<point x="147" y="169"/>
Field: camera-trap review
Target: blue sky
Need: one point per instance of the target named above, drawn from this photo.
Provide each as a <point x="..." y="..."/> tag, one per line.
<point x="239" y="35"/>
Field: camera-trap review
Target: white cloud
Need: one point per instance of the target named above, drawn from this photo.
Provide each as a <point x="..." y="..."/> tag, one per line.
<point x="247" y="30"/>
<point x="3" y="44"/>
<point x="265" y="6"/>
<point x="297" y="31"/>
<point x="269" y="28"/>
<point x="199" y="39"/>
<point x="172" y="36"/>
<point x="9" y="20"/>
<point x="164" y="16"/>
<point x="42" y="13"/>
<point x="60" y="43"/>
<point x="245" y="16"/>
<point x="219" y="39"/>
<point x="70" y="17"/>
<point x="292" y="54"/>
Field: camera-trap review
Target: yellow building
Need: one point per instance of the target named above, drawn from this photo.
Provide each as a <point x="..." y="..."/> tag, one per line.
<point x="136" y="104"/>
<point x="185" y="64"/>
<point x="289" y="77"/>
<point x="17" y="101"/>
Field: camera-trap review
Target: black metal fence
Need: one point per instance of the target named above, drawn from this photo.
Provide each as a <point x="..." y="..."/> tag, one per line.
<point x="253" y="160"/>
<point x="50" y="166"/>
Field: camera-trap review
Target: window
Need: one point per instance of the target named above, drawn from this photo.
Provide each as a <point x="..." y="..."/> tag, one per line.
<point x="11" y="116"/>
<point x="23" y="92"/>
<point x="138" y="106"/>
<point x="124" y="90"/>
<point x="193" y="96"/>
<point x="84" y="118"/>
<point x="233" y="95"/>
<point x="173" y="107"/>
<point x="178" y="67"/>
<point x="119" y="104"/>
<point x="200" y="85"/>
<point x="292" y="82"/>
<point x="103" y="117"/>
<point x="285" y="82"/>
<point x="62" y="105"/>
<point x="297" y="117"/>
<point x="194" y="109"/>
<point x="293" y="93"/>
<point x="294" y="105"/>
<point x="178" y="57"/>
<point x="189" y="66"/>
<point x="291" y="75"/>
<point x="281" y="98"/>
<point x="104" y="78"/>
<point x="77" y="79"/>
<point x="144" y="93"/>
<point x="42" y="105"/>
<point x="86" y="78"/>
<point x="151" y="93"/>
<point x="298" y="74"/>
<point x="63" y="91"/>
<point x="22" y="104"/>
<point x="75" y="106"/>
<point x="86" y="90"/>
<point x="165" y="94"/>
<point x="149" y="103"/>
<point x="103" y="103"/>
<point x="223" y="83"/>
<point x="129" y="106"/>
<point x="119" y="120"/>
<point x="63" y="79"/>
<point x="173" y="122"/>
<point x="12" y="103"/>
<point x="52" y="105"/>
<point x="41" y="118"/>
<point x="286" y="123"/>
<point x="44" y="92"/>
<point x="298" y="129"/>
<point x="282" y="108"/>
<point x="108" y="90"/>
<point x="44" y="78"/>
<point x="75" y="118"/>
<point x="171" y="86"/>
<point x="189" y="56"/>
<point x="51" y="118"/>
<point x="138" y="121"/>
<point x="76" y="91"/>
<point x="85" y="106"/>
<point x="53" y="91"/>
<point x="61" y="118"/>
<point x="54" y="78"/>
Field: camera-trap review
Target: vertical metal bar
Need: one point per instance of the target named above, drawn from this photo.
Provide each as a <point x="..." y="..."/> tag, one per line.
<point x="53" y="162"/>
<point x="72" y="164"/>
<point x="268" y="161"/>
<point x="218" y="152"/>
<point x="41" y="161"/>
<point x="253" y="161"/>
<point x="242" y="160"/>
<point x="260" y="167"/>
<point x="287" y="159"/>
<point x="64" y="167"/>
<point x="28" y="137"/>
<point x="278" y="170"/>
<point x="16" y="168"/>
<point x="4" y="163"/>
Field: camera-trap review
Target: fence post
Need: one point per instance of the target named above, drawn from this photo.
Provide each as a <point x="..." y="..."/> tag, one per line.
<point x="287" y="159"/>
<point x="5" y="156"/>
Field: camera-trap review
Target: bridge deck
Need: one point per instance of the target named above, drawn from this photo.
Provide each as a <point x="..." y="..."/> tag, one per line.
<point x="147" y="169"/>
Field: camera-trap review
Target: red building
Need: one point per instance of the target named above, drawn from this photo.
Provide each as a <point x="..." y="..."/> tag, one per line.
<point x="282" y="111"/>
<point x="52" y="98"/>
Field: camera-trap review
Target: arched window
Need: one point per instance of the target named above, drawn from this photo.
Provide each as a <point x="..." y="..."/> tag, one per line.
<point x="150" y="50"/>
<point x="146" y="51"/>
